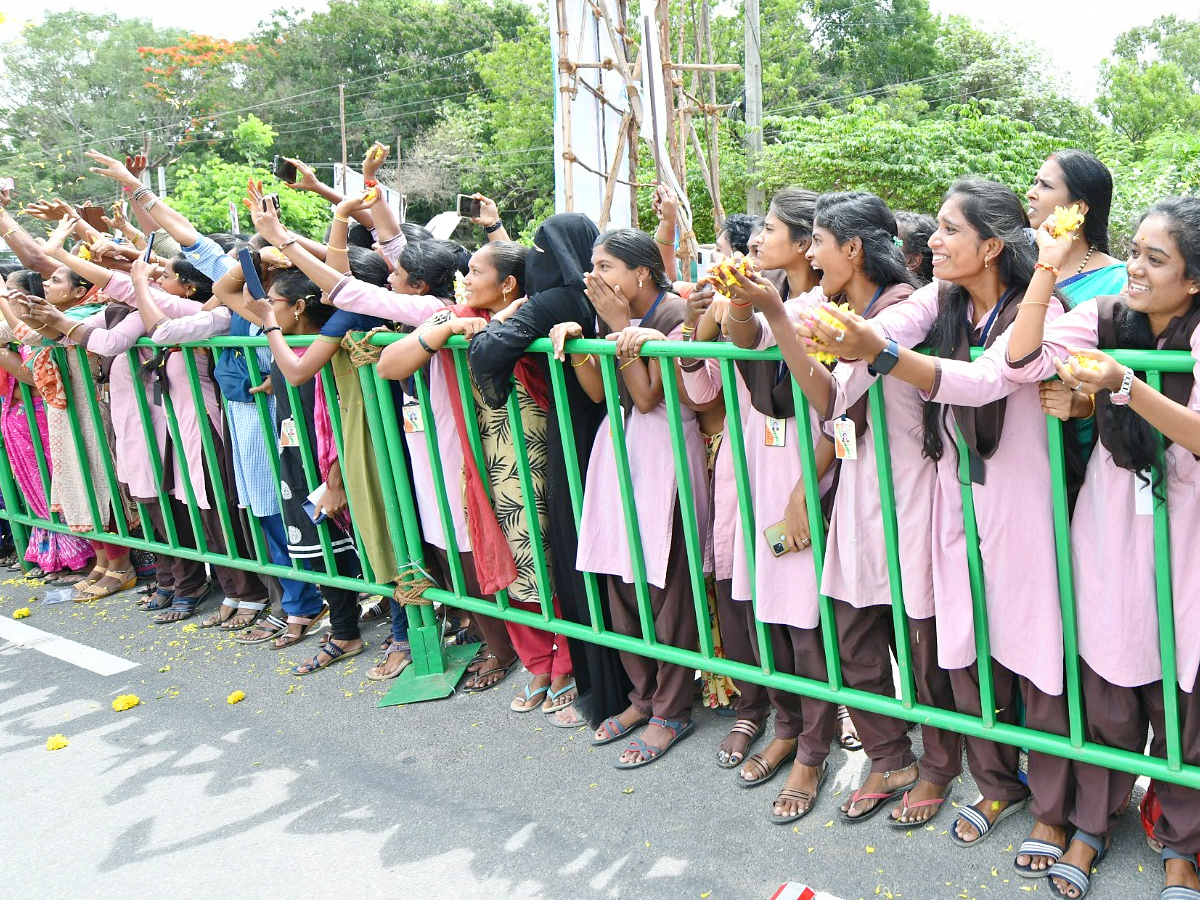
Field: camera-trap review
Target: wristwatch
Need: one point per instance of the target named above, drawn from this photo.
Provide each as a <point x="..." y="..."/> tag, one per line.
<point x="1121" y="397"/>
<point x="886" y="360"/>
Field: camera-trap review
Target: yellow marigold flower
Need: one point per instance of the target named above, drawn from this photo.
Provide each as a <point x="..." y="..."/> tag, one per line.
<point x="1085" y="362"/>
<point x="1066" y="220"/>
<point x="821" y="314"/>
<point x="125" y="701"/>
<point x="236" y="697"/>
<point x="56" y="742"/>
<point x="460" y="289"/>
<point x="22" y="613"/>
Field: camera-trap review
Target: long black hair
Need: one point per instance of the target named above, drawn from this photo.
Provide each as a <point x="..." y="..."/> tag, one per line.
<point x="509" y="259"/>
<point x="433" y="262"/>
<point x="795" y="208"/>
<point x="915" y="230"/>
<point x="635" y="249"/>
<point x="1182" y="215"/>
<point x="992" y="211"/>
<point x="862" y="215"/>
<point x="293" y="286"/>
<point x="186" y="271"/>
<point x="1088" y="179"/>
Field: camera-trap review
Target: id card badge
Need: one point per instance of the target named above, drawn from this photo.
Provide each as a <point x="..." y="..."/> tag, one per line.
<point x="287" y="434"/>
<point x="1143" y="493"/>
<point x="776" y="432"/>
<point x="413" y="421"/>
<point x="845" y="439"/>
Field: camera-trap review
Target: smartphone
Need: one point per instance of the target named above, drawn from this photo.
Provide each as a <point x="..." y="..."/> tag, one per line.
<point x="7" y="184"/>
<point x="774" y="536"/>
<point x="149" y="246"/>
<point x="250" y="273"/>
<point x="272" y="199"/>
<point x="468" y="206"/>
<point x="284" y="170"/>
<point x="310" y="504"/>
<point x="93" y="215"/>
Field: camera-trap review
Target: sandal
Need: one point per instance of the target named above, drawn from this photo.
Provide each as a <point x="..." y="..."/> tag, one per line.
<point x="87" y="582"/>
<point x="614" y="730"/>
<point x="751" y="731"/>
<point x="148" y="588"/>
<point x="473" y="685"/>
<point x="1177" y="891"/>
<point x="306" y="623"/>
<point x="331" y="650"/>
<point x="99" y="590"/>
<point x="370" y="610"/>
<point x="980" y="823"/>
<point x="849" y="741"/>
<point x="36" y="572"/>
<point x="882" y="800"/>
<point x="376" y="673"/>
<point x="248" y="612"/>
<point x="1073" y="875"/>
<point x="271" y="628"/>
<point x="552" y="705"/>
<point x="921" y="804"/>
<point x="181" y="608"/>
<point x="65" y="578"/>
<point x="759" y="766"/>
<point x="160" y="598"/>
<point x="1031" y="847"/>
<point x="525" y="704"/>
<point x="679" y="730"/>
<point x="792" y="794"/>
<point x="218" y="618"/>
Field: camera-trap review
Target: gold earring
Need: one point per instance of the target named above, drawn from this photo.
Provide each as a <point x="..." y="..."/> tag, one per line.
<point x="297" y="313"/>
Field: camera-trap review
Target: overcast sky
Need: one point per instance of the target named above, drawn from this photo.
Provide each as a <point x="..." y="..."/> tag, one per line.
<point x="1076" y="34"/>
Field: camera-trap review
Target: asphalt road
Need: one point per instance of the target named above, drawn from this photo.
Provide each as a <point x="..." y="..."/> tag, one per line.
<point x="305" y="789"/>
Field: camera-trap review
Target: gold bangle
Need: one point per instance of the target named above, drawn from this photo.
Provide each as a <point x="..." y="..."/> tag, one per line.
<point x="664" y="243"/>
<point x="67" y="333"/>
<point x="7" y="233"/>
<point x="628" y="364"/>
<point x="338" y="218"/>
<point x="1091" y="397"/>
<point x="576" y="365"/>
<point x="331" y="247"/>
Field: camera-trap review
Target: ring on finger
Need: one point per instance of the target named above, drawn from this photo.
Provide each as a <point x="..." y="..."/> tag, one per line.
<point x="841" y="336"/>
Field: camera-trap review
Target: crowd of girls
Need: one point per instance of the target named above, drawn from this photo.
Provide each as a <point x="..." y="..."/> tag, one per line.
<point x="902" y="299"/>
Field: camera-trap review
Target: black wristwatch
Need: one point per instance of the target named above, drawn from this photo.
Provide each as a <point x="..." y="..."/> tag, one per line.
<point x="886" y="360"/>
<point x="494" y="227"/>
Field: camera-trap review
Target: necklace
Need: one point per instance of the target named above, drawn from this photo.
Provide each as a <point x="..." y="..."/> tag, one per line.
<point x="1083" y="265"/>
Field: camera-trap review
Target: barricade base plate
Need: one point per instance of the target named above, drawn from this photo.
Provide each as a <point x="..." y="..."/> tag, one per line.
<point x="413" y="688"/>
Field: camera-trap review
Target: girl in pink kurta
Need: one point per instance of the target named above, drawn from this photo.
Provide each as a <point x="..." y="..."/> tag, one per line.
<point x="983" y="263"/>
<point x="1121" y="671"/>
<point x="629" y="291"/>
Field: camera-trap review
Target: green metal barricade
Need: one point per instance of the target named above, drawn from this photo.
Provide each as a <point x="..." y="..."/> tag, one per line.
<point x="435" y="670"/>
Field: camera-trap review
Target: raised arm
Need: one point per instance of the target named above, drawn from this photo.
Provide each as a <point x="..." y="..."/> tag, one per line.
<point x="85" y="269"/>
<point x="174" y="223"/>
<point x="21" y="242"/>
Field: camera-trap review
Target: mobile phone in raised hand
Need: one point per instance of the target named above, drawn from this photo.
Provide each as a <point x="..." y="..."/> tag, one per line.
<point x="469" y="206"/>
<point x="284" y="170"/>
<point x="272" y="199"/>
<point x="149" y="246"/>
<point x="7" y="184"/>
<point x="250" y="273"/>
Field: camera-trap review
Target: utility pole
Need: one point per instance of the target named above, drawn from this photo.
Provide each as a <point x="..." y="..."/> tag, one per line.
<point x="342" y="119"/>
<point x="754" y="135"/>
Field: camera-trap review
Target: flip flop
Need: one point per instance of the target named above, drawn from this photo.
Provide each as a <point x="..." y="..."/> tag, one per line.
<point x="307" y="624"/>
<point x="335" y="654"/>
<point x="935" y="801"/>
<point x="1032" y="847"/>
<point x="1073" y="875"/>
<point x="792" y="794"/>
<point x="252" y="608"/>
<point x="614" y="730"/>
<point x="471" y="686"/>
<point x="395" y="647"/>
<point x="980" y="823"/>
<point x="182" y="607"/>
<point x="883" y="798"/>
<point x="1177" y="891"/>
<point x="748" y="729"/>
<point x="679" y="730"/>
<point x="519" y="707"/>
<point x="849" y="742"/>
<point x="215" y="619"/>
<point x="551" y="696"/>
<point x="271" y="622"/>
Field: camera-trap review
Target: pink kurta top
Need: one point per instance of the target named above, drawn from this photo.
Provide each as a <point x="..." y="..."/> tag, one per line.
<point x="130" y="435"/>
<point x="414" y="309"/>
<point x="603" y="538"/>
<point x="785" y="587"/>
<point x="703" y="386"/>
<point x="856" y="564"/>
<point x="1012" y="510"/>
<point x="1112" y="545"/>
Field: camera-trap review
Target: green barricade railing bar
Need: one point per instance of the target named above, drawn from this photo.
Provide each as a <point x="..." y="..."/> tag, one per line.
<point x="436" y="669"/>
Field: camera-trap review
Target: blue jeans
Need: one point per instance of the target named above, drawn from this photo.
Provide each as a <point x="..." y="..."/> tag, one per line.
<point x="300" y="598"/>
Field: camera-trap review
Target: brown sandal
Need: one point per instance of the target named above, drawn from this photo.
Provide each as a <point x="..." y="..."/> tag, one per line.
<point x="288" y="638"/>
<point x="97" y="592"/>
<point x="760" y="767"/>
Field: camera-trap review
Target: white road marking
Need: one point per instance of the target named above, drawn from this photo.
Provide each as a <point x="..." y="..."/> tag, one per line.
<point x="73" y="652"/>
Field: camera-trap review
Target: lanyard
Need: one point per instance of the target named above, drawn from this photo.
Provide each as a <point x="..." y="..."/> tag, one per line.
<point x="987" y="327"/>
<point x="654" y="306"/>
<point x="878" y="294"/>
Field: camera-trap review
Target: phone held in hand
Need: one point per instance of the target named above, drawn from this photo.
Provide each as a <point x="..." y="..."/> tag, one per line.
<point x="469" y="206"/>
<point x="149" y="246"/>
<point x="284" y="170"/>
<point x="774" y="536"/>
<point x="93" y="215"/>
<point x="272" y="200"/>
<point x="7" y="184"/>
<point x="250" y="273"/>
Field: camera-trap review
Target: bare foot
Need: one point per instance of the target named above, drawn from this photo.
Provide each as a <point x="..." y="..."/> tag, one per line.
<point x="800" y="791"/>
<point x="732" y="750"/>
<point x="1048" y="834"/>
<point x="1080" y="855"/>
<point x="568" y="716"/>
<point x="562" y="693"/>
<point x="990" y="809"/>
<point x="762" y="765"/>
<point x="923" y="792"/>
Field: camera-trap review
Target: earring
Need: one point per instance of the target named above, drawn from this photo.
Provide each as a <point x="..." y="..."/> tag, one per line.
<point x="986" y="262"/>
<point x="297" y="314"/>
<point x="639" y="282"/>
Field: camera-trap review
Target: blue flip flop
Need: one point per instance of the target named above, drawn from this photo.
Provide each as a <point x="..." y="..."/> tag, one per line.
<point x="551" y="696"/>
<point x="527" y="705"/>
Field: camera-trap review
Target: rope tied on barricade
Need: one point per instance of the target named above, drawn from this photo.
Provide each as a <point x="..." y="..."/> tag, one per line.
<point x="410" y="589"/>
<point x="362" y="352"/>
